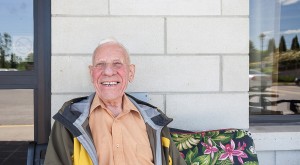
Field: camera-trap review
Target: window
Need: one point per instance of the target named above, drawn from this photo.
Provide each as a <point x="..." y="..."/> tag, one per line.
<point x="274" y="61"/>
<point x="16" y="35"/>
<point x="25" y="57"/>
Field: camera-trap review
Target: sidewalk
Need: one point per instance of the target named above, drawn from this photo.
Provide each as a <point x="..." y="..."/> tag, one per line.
<point x="16" y="132"/>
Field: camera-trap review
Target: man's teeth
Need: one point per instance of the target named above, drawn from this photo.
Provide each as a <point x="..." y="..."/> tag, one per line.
<point x="109" y="83"/>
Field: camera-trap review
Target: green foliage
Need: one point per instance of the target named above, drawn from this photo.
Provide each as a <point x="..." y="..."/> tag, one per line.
<point x="8" y="58"/>
<point x="286" y="78"/>
<point x="282" y="45"/>
<point x="288" y="60"/>
<point x="185" y="141"/>
<point x="225" y="138"/>
<point x="295" y="44"/>
<point x="271" y="46"/>
<point x="224" y="162"/>
<point x="192" y="158"/>
<point x="251" y="163"/>
<point x="240" y="134"/>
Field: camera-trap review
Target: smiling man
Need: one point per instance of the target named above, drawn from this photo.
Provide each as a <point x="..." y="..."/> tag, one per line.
<point x="110" y="127"/>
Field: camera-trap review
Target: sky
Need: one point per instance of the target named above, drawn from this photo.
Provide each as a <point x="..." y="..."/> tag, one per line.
<point x="16" y="18"/>
<point x="274" y="18"/>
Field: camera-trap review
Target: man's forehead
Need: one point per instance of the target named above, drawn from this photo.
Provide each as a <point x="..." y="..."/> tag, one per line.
<point x="111" y="59"/>
<point x="111" y="52"/>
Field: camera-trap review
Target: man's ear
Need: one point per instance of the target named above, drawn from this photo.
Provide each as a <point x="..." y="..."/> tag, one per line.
<point x="131" y="72"/>
<point x="91" y="72"/>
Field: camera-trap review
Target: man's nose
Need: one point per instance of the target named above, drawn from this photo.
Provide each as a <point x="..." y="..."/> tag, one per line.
<point x="109" y="70"/>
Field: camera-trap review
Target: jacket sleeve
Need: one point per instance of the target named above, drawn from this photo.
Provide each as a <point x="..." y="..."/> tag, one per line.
<point x="60" y="146"/>
<point x="171" y="153"/>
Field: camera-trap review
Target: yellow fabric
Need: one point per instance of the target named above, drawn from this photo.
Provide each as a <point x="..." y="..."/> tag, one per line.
<point x="121" y="139"/>
<point x="165" y="142"/>
<point x="170" y="160"/>
<point x="80" y="157"/>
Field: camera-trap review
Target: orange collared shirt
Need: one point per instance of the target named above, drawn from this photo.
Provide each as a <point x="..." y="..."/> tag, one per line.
<point x="122" y="139"/>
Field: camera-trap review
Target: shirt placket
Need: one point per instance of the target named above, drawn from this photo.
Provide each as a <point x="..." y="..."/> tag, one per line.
<point x="117" y="143"/>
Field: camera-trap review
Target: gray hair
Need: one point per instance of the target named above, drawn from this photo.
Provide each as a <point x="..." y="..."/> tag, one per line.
<point x="112" y="40"/>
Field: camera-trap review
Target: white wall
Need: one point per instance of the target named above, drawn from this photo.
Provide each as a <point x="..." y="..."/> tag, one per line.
<point x="191" y="56"/>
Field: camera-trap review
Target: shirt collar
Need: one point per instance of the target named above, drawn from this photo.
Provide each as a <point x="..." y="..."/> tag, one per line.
<point x="127" y="104"/>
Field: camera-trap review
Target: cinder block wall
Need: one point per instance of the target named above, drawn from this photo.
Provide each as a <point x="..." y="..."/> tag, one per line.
<point x="191" y="56"/>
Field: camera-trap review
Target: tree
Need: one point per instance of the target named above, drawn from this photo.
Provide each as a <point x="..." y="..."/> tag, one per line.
<point x="29" y="57"/>
<point x="282" y="45"/>
<point x="253" y="56"/>
<point x="13" y="63"/>
<point x="271" y="46"/>
<point x="295" y="44"/>
<point x="5" y="47"/>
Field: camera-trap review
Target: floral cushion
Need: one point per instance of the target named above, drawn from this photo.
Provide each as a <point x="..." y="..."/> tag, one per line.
<point x="220" y="147"/>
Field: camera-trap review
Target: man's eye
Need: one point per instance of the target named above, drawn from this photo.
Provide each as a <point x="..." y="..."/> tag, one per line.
<point x="118" y="64"/>
<point x="100" y="65"/>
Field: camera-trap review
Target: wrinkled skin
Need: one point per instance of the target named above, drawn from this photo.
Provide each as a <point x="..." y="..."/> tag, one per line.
<point x="111" y="71"/>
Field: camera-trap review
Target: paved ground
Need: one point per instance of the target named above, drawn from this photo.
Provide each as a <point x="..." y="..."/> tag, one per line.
<point x="16" y="125"/>
<point x="291" y="92"/>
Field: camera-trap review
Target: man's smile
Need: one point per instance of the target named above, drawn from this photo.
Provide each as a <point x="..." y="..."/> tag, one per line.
<point x="110" y="83"/>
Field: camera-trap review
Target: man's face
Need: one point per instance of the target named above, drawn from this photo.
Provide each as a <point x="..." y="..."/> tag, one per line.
<point x="111" y="72"/>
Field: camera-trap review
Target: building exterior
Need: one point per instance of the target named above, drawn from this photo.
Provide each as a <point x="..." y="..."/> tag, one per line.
<point x="191" y="60"/>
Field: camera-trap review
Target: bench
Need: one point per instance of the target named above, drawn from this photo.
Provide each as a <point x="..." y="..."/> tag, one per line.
<point x="227" y="146"/>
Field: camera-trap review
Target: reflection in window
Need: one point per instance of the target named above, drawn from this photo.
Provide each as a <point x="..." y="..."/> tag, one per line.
<point x="274" y="57"/>
<point x="16" y="114"/>
<point x="16" y="35"/>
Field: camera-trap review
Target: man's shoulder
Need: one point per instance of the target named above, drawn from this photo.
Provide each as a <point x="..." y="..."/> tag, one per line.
<point x="75" y="106"/>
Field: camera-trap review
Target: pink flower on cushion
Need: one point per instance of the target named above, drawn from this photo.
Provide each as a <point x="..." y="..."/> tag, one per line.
<point x="182" y="155"/>
<point x="210" y="149"/>
<point x="244" y="155"/>
<point x="230" y="151"/>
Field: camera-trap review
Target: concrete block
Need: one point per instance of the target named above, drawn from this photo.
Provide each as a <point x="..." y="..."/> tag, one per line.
<point x="168" y="7"/>
<point x="288" y="157"/>
<point x="158" y="101"/>
<point x="175" y="74"/>
<point x="208" y="111"/>
<point x="79" y="7"/>
<point x="71" y="74"/>
<point x="235" y="7"/>
<point x="266" y="157"/>
<point x="82" y="34"/>
<point x="154" y="99"/>
<point x="208" y="35"/>
<point x="235" y="73"/>
<point x="269" y="141"/>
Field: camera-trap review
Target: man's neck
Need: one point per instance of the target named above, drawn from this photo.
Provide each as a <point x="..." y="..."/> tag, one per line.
<point x="116" y="106"/>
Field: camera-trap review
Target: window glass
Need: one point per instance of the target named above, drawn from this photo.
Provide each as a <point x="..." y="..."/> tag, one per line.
<point x="16" y="35"/>
<point x="16" y="114"/>
<point x="274" y="57"/>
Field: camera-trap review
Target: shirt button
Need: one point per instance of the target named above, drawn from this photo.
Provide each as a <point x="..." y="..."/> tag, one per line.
<point x="117" y="145"/>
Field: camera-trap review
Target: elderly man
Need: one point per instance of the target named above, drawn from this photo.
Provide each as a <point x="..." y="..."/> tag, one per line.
<point x="110" y="127"/>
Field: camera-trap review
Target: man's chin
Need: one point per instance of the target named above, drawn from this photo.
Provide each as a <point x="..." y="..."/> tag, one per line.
<point x="110" y="96"/>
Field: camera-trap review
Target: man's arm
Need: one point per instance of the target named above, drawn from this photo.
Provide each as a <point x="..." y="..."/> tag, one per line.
<point x="60" y="146"/>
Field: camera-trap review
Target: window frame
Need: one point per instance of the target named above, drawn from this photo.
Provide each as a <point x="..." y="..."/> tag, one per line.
<point x="275" y="119"/>
<point x="39" y="79"/>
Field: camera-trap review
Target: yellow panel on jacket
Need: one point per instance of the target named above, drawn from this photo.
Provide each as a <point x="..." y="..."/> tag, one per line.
<point x="80" y="157"/>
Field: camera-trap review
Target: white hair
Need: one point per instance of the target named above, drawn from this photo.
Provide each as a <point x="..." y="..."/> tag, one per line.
<point x="112" y="40"/>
